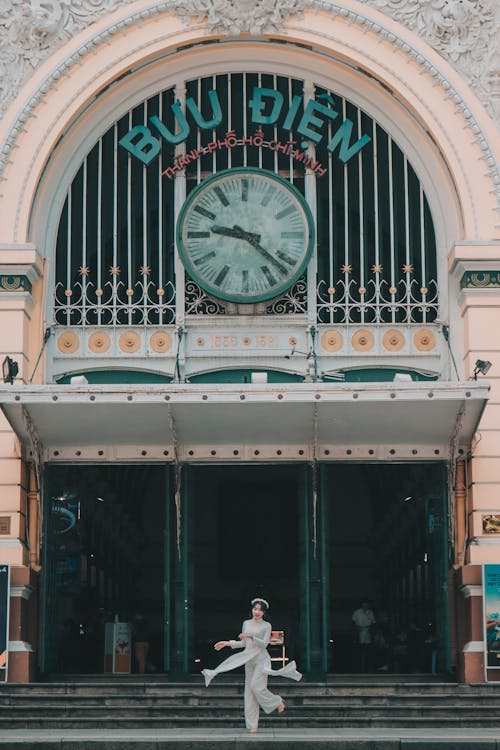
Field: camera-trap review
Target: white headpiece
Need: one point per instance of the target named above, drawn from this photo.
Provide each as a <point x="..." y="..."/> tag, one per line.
<point x="260" y="599"/>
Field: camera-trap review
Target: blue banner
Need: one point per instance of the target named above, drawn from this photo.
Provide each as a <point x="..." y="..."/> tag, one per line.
<point x="491" y="583"/>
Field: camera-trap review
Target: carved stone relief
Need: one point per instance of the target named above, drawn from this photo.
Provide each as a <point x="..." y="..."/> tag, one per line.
<point x="464" y="32"/>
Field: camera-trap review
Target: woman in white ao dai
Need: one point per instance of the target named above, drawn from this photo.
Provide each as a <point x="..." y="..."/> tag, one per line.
<point x="253" y="641"/>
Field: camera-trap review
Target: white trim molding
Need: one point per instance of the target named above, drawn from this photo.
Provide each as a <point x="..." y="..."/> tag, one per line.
<point x="20" y="646"/>
<point x="472" y="590"/>
<point x="473" y="647"/>
<point x="21" y="592"/>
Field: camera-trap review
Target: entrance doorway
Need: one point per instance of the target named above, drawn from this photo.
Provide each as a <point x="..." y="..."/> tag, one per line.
<point x="387" y="541"/>
<point x="246" y="544"/>
<point x="103" y="558"/>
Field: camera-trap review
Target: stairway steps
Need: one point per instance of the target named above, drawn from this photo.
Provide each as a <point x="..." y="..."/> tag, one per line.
<point x="151" y="723"/>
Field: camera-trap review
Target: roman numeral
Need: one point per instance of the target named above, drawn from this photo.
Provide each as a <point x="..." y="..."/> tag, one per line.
<point x="221" y="196"/>
<point x="204" y="212"/>
<point x="203" y="259"/>
<point x="265" y="200"/>
<point x="244" y="283"/>
<point x="287" y="258"/>
<point x="244" y="190"/>
<point x="285" y="212"/>
<point x="222" y="275"/>
<point x="292" y="235"/>
<point x="269" y="277"/>
<point x="198" y="235"/>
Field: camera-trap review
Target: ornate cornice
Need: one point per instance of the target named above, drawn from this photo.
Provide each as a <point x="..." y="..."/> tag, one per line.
<point x="466" y="33"/>
<point x="236" y="17"/>
<point x="31" y="31"/>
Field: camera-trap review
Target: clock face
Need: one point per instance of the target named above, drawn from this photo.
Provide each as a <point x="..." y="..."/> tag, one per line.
<point x="245" y="235"/>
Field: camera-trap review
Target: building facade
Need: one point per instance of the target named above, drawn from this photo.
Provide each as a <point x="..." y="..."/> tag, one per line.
<point x="250" y="277"/>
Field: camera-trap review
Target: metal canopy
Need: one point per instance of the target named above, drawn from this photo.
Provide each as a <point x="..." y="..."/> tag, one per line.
<point x="213" y="422"/>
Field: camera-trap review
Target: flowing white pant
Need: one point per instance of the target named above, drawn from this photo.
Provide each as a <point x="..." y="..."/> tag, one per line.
<point x="257" y="693"/>
<point x="257" y="670"/>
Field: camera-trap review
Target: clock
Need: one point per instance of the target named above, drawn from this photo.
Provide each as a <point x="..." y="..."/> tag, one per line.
<point x="245" y="235"/>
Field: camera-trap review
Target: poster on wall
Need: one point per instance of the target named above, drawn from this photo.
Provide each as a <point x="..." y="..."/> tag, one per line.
<point x="4" y="620"/>
<point x="491" y="615"/>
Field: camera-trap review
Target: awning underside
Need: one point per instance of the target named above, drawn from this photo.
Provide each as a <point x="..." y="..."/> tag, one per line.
<point x="195" y="422"/>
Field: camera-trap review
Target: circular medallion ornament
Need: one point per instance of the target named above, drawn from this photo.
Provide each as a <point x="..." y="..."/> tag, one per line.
<point x="362" y="341"/>
<point x="332" y="341"/>
<point x="99" y="342"/>
<point x="160" y="341"/>
<point x="129" y="342"/>
<point x="424" y="340"/>
<point x="67" y="343"/>
<point x="245" y="235"/>
<point x="393" y="340"/>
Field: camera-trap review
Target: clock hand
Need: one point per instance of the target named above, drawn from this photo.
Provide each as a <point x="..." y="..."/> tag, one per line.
<point x="250" y="236"/>
<point x="226" y="231"/>
<point x="236" y="232"/>
<point x="267" y="255"/>
<point x="253" y="240"/>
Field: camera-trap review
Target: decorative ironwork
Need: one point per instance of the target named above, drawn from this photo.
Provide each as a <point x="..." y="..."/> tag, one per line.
<point x="293" y="301"/>
<point x="198" y="302"/>
<point x="115" y="304"/>
<point x="377" y="301"/>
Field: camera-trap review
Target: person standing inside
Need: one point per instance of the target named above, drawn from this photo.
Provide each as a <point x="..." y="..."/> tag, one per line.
<point x="363" y="621"/>
<point x="141" y="643"/>
<point x="253" y="641"/>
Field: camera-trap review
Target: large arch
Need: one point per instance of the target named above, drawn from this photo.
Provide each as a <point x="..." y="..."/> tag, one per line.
<point x="384" y="68"/>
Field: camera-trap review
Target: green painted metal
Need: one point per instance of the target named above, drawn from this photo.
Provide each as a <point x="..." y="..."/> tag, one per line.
<point x="47" y="581"/>
<point x="183" y="572"/>
<point x="244" y="376"/>
<point x="438" y="525"/>
<point x="382" y="374"/>
<point x="323" y="499"/>
<point x="304" y="552"/>
<point x="117" y="376"/>
<point x="167" y="587"/>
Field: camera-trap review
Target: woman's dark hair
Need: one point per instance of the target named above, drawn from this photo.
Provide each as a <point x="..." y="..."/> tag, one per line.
<point x="262" y="604"/>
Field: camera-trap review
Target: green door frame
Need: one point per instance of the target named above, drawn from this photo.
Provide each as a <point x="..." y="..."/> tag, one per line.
<point x="314" y="584"/>
<point x="182" y="560"/>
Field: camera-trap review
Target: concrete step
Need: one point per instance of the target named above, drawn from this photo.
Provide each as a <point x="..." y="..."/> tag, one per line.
<point x="149" y="723"/>
<point x="266" y="739"/>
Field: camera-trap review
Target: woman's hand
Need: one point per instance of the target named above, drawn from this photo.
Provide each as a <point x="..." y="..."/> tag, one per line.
<point x="242" y="636"/>
<point x="220" y="645"/>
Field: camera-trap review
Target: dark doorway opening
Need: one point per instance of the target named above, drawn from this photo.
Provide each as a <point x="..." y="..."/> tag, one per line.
<point x="387" y="534"/>
<point x="246" y="542"/>
<point x="103" y="559"/>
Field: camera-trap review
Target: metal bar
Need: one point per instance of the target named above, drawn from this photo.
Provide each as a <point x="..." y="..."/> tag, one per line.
<point x="376" y="221"/>
<point x="275" y="130"/>
<point x="129" y="229"/>
<point x="160" y="219"/>
<point x="346" y="231"/>
<point x="331" y="250"/>
<point x="361" y="218"/>
<point x="114" y="277"/>
<point x="391" y="223"/>
<point x="145" y="276"/>
<point x="229" y="118"/>
<point x="407" y="243"/>
<point x="84" y="243"/>
<point x="422" y="253"/>
<point x="244" y="92"/>
<point x="99" y="223"/>
<point x="68" y="254"/>
<point x="198" y="139"/>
